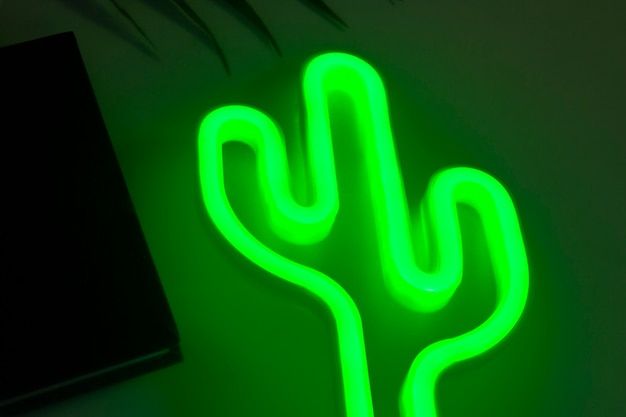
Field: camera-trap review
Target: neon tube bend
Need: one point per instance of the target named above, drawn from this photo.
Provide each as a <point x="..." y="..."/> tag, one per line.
<point x="423" y="291"/>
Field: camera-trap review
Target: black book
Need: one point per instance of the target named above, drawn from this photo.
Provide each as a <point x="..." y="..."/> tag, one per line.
<point x="81" y="304"/>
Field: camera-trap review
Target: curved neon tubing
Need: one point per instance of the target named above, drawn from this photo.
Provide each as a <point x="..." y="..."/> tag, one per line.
<point x="419" y="290"/>
<point x="261" y="134"/>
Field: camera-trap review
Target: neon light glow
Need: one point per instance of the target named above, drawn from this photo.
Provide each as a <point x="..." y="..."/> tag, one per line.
<point x="419" y="290"/>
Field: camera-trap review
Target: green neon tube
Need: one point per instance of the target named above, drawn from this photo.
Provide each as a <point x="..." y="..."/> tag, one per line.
<point x="423" y="291"/>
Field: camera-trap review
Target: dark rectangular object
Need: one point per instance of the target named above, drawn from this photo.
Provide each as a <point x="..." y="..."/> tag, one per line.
<point x="81" y="304"/>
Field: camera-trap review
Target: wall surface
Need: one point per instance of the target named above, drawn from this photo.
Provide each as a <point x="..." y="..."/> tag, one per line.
<point x="532" y="94"/>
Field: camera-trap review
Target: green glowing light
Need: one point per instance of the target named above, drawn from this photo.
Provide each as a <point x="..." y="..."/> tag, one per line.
<point x="423" y="291"/>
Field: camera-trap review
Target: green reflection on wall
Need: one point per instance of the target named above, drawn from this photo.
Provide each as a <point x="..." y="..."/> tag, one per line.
<point x="421" y="289"/>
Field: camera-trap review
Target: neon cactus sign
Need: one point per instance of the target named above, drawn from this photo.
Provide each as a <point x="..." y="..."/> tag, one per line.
<point x="416" y="289"/>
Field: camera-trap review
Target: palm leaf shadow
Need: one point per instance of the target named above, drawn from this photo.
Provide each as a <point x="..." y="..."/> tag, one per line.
<point x="181" y="13"/>
<point x="250" y="18"/>
<point x="321" y="8"/>
<point x="103" y="17"/>
<point x="132" y="21"/>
